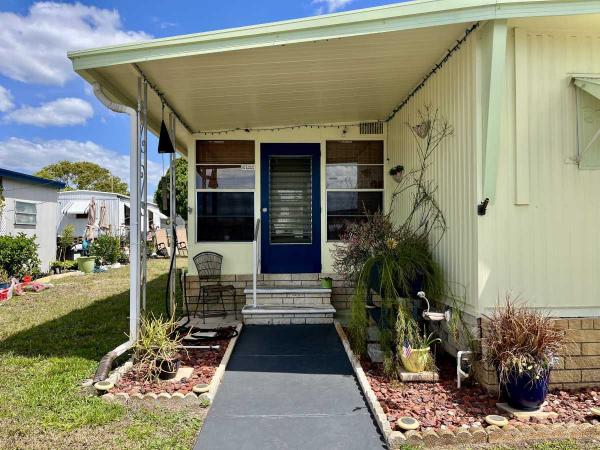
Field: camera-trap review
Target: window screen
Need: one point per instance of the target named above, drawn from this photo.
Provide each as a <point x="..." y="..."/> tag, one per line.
<point x="225" y="182"/>
<point x="588" y="122"/>
<point x="354" y="183"/>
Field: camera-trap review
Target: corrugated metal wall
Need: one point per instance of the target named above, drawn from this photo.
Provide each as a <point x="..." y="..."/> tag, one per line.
<point x="540" y="239"/>
<point x="452" y="91"/>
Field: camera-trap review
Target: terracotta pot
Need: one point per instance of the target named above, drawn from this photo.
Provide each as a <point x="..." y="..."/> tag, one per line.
<point x="417" y="361"/>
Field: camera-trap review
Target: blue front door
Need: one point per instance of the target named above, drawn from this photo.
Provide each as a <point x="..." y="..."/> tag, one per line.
<point x="290" y="208"/>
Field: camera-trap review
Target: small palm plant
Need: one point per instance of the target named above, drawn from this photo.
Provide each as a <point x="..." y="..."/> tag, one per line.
<point x="157" y="349"/>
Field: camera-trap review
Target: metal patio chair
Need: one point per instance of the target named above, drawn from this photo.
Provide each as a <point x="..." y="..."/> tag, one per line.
<point x="210" y="290"/>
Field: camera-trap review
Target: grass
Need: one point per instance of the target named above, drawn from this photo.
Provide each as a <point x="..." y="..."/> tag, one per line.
<point x="51" y="341"/>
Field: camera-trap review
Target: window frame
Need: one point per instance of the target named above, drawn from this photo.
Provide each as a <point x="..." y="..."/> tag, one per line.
<point x="198" y="190"/>
<point x="358" y="190"/>
<point x="17" y="213"/>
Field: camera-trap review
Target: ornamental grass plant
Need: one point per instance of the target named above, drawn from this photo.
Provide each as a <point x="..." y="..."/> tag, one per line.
<point x="519" y="340"/>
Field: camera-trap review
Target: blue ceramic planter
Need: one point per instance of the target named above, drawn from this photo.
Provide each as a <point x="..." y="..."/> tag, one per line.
<point x="525" y="393"/>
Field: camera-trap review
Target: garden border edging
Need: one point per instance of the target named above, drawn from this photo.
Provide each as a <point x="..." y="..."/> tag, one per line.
<point x="468" y="435"/>
<point x="150" y="398"/>
<point x="391" y="437"/>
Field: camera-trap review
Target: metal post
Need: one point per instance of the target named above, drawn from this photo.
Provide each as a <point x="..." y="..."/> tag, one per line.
<point x="134" y="222"/>
<point x="143" y="137"/>
<point x="172" y="213"/>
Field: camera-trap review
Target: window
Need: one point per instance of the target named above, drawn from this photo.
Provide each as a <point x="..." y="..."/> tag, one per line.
<point x="588" y="122"/>
<point x="127" y="214"/>
<point x="225" y="191"/>
<point x="354" y="172"/>
<point x="25" y="213"/>
<point x="81" y="216"/>
<point x="150" y="218"/>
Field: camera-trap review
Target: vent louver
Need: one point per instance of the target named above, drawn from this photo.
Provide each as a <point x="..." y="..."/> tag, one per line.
<point x="371" y="128"/>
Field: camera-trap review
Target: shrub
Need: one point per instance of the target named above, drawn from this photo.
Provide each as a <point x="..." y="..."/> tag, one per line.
<point x="19" y="255"/>
<point x="519" y="339"/>
<point x="106" y="249"/>
<point x="64" y="265"/>
<point x="66" y="240"/>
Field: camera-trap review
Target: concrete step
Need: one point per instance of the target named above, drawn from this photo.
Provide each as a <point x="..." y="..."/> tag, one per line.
<point x="287" y="314"/>
<point x="293" y="295"/>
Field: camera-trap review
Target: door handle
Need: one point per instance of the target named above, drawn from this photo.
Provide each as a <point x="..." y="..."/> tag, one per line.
<point x="264" y="210"/>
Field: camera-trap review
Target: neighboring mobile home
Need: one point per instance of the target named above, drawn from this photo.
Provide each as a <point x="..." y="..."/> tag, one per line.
<point x="31" y="207"/>
<point x="74" y="207"/>
<point x="320" y="106"/>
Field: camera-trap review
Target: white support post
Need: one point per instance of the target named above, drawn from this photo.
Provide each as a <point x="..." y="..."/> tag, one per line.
<point x="134" y="229"/>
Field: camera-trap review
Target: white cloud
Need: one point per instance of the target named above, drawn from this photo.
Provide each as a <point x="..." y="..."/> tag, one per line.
<point x="33" y="48"/>
<point x="61" y="112"/>
<point x="6" y="102"/>
<point x="330" y="5"/>
<point x="28" y="156"/>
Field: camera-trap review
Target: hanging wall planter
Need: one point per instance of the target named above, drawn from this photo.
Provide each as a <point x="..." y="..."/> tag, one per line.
<point x="397" y="173"/>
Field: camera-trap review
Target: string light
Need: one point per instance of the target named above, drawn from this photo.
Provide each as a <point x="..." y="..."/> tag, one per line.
<point x="395" y="111"/>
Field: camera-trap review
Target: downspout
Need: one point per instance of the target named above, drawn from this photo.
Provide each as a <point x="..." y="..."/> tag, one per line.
<point x="134" y="236"/>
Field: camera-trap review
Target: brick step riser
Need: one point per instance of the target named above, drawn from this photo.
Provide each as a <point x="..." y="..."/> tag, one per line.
<point x="288" y="300"/>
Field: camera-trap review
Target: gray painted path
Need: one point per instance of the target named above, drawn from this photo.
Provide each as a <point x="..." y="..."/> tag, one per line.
<point x="289" y="387"/>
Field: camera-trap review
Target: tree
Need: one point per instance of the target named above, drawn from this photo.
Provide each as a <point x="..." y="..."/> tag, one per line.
<point x="66" y="240"/>
<point x="84" y="175"/>
<point x="181" y="195"/>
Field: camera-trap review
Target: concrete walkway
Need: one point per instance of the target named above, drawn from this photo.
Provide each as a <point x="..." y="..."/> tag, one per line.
<point x="289" y="387"/>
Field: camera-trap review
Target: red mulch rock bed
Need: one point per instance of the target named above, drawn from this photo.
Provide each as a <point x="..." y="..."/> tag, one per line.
<point x="441" y="404"/>
<point x="204" y="363"/>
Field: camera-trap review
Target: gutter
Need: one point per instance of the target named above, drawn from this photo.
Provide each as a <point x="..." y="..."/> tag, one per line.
<point x="134" y="285"/>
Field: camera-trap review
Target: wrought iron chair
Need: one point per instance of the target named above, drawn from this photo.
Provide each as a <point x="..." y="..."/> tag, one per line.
<point x="211" y="291"/>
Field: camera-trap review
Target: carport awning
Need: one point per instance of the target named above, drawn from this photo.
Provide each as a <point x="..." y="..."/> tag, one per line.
<point x="76" y="207"/>
<point x="355" y="66"/>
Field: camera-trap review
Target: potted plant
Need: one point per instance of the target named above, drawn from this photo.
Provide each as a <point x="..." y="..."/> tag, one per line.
<point x="397" y="172"/>
<point x="157" y="350"/>
<point x="522" y="345"/>
<point x="412" y="346"/>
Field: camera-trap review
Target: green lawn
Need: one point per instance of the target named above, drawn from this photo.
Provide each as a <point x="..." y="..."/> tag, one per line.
<point x="50" y="342"/>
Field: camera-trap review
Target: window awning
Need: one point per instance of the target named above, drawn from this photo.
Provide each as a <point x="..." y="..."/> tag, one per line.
<point x="589" y="85"/>
<point x="76" y="207"/>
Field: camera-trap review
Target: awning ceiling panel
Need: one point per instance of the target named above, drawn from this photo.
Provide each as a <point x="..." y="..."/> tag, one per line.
<point x="350" y="79"/>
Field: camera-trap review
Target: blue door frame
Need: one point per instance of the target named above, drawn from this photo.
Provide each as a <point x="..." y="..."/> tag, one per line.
<point x="290" y="258"/>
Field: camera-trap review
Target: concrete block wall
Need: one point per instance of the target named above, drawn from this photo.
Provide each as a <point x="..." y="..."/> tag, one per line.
<point x="341" y="293"/>
<point x="579" y="365"/>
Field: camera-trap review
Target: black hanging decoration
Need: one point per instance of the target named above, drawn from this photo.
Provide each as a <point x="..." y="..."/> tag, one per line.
<point x="165" y="145"/>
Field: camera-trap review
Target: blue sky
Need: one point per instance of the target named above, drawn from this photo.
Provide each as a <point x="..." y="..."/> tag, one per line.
<point x="47" y="113"/>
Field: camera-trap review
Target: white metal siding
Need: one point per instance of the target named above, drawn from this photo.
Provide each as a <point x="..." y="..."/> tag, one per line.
<point x="540" y="238"/>
<point x="114" y="206"/>
<point x="452" y="92"/>
<point x="46" y="199"/>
